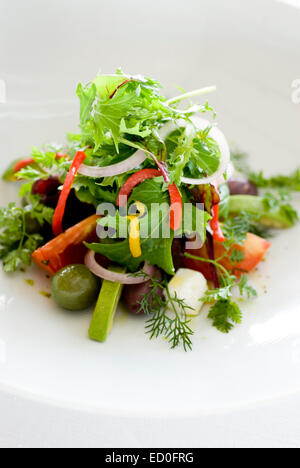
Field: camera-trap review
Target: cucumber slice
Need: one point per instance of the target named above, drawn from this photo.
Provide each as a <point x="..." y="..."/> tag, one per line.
<point x="106" y="307"/>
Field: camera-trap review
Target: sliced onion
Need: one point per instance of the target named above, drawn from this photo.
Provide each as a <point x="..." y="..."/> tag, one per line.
<point x="229" y="173"/>
<point x="217" y="136"/>
<point x="115" y="169"/>
<point x="98" y="270"/>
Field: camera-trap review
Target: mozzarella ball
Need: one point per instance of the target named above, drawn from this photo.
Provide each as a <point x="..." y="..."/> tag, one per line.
<point x="189" y="286"/>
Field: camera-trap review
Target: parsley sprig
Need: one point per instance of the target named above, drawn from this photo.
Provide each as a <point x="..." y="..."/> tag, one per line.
<point x="16" y="242"/>
<point x="225" y="314"/>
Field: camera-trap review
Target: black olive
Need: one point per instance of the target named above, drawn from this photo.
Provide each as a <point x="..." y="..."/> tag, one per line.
<point x="133" y="294"/>
<point x="242" y="186"/>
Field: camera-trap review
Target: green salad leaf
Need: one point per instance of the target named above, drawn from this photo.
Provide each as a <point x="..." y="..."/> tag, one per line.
<point x="156" y="236"/>
<point x="149" y="192"/>
<point x="156" y="248"/>
<point x="191" y="153"/>
<point x="135" y="107"/>
<point x="46" y="164"/>
<point x="155" y="191"/>
<point x="88" y="190"/>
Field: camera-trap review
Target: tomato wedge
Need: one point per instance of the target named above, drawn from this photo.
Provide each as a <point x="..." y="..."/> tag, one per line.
<point x="67" y="248"/>
<point x="254" y="250"/>
<point x="61" y="206"/>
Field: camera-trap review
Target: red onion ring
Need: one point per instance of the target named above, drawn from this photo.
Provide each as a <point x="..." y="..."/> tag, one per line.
<point x="98" y="270"/>
<point x="115" y="169"/>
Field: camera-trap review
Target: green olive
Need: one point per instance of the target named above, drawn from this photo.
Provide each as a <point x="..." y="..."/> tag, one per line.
<point x="75" y="287"/>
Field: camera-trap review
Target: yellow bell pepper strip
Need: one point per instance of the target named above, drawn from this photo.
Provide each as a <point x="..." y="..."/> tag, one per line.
<point x="134" y="231"/>
<point x="134" y="237"/>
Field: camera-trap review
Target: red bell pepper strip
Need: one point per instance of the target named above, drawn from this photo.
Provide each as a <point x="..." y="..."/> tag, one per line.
<point x="23" y="163"/>
<point x="61" y="206"/>
<point x="27" y="162"/>
<point x="176" y="207"/>
<point x="61" y="156"/>
<point x="144" y="174"/>
<point x="133" y="181"/>
<point x="215" y="225"/>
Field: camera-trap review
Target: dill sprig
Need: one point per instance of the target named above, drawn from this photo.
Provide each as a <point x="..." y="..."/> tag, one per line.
<point x="168" y="315"/>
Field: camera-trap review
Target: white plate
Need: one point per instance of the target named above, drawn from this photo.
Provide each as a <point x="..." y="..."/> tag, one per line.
<point x="250" y="50"/>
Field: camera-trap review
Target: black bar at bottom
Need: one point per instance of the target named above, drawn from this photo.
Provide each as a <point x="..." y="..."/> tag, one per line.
<point x="143" y="457"/>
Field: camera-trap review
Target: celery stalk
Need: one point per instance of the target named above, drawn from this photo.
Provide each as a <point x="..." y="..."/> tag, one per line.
<point x="274" y="218"/>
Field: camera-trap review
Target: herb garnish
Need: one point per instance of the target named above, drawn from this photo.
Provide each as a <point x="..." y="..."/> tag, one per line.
<point x="169" y="316"/>
<point x="290" y="182"/>
<point x="225" y="312"/>
<point x="16" y="243"/>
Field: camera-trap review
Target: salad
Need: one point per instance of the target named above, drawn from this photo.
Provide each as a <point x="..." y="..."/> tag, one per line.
<point x="146" y="205"/>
